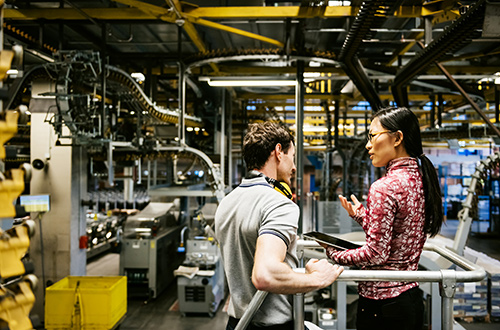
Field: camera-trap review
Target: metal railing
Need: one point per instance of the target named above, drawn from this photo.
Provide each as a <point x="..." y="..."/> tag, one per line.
<point x="447" y="278"/>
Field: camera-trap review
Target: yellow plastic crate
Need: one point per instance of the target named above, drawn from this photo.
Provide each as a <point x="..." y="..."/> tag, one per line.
<point x="102" y="302"/>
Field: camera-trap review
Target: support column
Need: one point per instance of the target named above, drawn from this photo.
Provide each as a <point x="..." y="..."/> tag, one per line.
<point x="299" y="144"/>
<point x="64" y="178"/>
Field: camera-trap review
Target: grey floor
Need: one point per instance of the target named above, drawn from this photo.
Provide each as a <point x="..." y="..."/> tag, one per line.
<point x="161" y="313"/>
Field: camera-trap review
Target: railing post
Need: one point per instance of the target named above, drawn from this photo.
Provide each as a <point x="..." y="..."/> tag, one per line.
<point x="341" y="305"/>
<point x="447" y="291"/>
<point x="298" y="298"/>
<point x="298" y="311"/>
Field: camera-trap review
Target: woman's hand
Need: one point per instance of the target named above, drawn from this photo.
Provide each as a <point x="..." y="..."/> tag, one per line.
<point x="350" y="208"/>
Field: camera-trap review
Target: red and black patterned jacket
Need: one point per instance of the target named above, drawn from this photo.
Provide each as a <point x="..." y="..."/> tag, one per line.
<point x="393" y="221"/>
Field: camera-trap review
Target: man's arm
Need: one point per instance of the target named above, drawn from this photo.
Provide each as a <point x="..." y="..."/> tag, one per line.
<point x="270" y="272"/>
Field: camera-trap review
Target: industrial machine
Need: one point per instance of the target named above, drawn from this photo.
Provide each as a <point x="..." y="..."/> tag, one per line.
<point x="148" y="255"/>
<point x="203" y="291"/>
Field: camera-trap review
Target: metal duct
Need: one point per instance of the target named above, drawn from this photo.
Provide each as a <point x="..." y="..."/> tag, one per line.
<point x="353" y="68"/>
<point x="455" y="36"/>
<point x="371" y="14"/>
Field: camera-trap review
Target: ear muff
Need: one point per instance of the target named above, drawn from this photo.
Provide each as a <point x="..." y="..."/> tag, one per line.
<point x="283" y="188"/>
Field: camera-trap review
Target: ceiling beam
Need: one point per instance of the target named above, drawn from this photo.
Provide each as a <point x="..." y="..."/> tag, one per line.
<point x="70" y="14"/>
<point x="151" y="12"/>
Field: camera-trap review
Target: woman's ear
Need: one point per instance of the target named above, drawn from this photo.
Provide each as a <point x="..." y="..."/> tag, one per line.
<point x="399" y="139"/>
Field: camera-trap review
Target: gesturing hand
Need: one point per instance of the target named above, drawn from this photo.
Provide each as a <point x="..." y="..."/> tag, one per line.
<point x="350" y="208"/>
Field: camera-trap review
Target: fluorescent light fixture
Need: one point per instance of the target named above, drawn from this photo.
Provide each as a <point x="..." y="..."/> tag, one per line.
<point x="138" y="76"/>
<point x="339" y="3"/>
<point x="312" y="74"/>
<point x="12" y="72"/>
<point x="497" y="78"/>
<point x="244" y="83"/>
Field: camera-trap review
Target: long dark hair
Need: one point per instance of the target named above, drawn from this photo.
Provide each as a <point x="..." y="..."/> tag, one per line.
<point x="402" y="119"/>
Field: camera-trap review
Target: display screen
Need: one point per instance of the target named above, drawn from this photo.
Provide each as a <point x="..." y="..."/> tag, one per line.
<point x="336" y="242"/>
<point x="35" y="203"/>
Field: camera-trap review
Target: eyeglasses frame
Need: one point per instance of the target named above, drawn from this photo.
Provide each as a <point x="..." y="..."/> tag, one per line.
<point x="370" y="136"/>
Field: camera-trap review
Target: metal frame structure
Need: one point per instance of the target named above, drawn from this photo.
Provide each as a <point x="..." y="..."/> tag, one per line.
<point x="447" y="278"/>
<point x="464" y="216"/>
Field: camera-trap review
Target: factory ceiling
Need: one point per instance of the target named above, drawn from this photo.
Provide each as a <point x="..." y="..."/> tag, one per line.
<point x="440" y="58"/>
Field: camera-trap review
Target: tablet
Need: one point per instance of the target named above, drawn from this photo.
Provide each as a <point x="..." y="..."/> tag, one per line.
<point x="336" y="242"/>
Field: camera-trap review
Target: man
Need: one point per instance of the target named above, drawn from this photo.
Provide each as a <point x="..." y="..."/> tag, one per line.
<point x="257" y="229"/>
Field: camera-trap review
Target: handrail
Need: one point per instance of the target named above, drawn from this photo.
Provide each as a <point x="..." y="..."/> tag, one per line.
<point x="472" y="271"/>
<point x="253" y="307"/>
<point x="446" y="277"/>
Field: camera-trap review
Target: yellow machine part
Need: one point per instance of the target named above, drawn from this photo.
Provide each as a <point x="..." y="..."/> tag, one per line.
<point x="10" y="189"/>
<point x="8" y="128"/>
<point x="6" y="57"/>
<point x="13" y="246"/>
<point x="15" y="309"/>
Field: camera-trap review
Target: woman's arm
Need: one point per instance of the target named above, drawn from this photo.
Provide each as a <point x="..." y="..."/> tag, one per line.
<point x="378" y="226"/>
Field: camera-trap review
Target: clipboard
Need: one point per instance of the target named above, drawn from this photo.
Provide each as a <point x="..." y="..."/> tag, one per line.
<point x="338" y="243"/>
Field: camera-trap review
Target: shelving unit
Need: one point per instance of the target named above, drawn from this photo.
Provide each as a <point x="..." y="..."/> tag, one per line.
<point x="455" y="179"/>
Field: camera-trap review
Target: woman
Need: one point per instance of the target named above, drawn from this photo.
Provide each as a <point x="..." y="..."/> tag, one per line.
<point x="403" y="207"/>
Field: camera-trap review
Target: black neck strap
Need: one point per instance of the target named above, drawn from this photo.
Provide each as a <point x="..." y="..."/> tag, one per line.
<point x="273" y="182"/>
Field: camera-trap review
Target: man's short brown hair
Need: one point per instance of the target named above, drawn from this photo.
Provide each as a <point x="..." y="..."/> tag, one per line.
<point x="260" y="141"/>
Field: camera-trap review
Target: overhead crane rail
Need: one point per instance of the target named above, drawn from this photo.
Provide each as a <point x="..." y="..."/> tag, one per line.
<point x="263" y="54"/>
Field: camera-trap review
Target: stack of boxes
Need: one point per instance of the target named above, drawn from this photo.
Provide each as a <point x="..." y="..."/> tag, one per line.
<point x="495" y="296"/>
<point x="471" y="300"/>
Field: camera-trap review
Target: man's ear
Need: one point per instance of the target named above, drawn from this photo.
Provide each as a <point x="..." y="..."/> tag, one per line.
<point x="278" y="149"/>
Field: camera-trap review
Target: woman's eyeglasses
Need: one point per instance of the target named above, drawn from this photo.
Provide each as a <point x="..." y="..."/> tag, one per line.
<point x="370" y="136"/>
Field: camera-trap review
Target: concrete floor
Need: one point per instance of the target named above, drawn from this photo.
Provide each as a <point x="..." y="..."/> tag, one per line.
<point x="162" y="312"/>
<point x="143" y="314"/>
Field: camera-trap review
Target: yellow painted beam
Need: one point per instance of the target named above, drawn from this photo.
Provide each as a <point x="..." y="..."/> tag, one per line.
<point x="230" y="29"/>
<point x="73" y="14"/>
<point x="146" y="7"/>
<point x="161" y="13"/>
<point x="152" y="12"/>
<point x="222" y="27"/>
<point x="269" y="12"/>
<point x="193" y="34"/>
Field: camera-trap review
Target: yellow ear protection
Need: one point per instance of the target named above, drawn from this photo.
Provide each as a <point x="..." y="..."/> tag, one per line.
<point x="282" y="187"/>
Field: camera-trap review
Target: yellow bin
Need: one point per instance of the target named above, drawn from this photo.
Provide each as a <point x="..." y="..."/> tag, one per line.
<point x="86" y="302"/>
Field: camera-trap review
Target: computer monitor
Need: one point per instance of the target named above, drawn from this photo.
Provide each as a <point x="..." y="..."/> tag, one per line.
<point x="35" y="203"/>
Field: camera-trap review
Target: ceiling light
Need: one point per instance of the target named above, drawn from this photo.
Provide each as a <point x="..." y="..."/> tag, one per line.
<point x="497" y="78"/>
<point x="138" y="76"/>
<point x="312" y="74"/>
